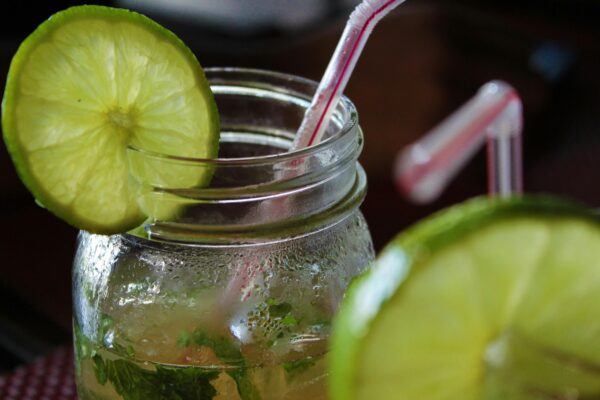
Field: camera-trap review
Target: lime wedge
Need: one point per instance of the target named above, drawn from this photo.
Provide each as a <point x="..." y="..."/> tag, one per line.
<point x="85" y="85"/>
<point x="492" y="299"/>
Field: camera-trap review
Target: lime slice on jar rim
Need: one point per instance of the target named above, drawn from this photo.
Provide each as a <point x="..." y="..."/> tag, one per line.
<point x="86" y="84"/>
<point x="491" y="299"/>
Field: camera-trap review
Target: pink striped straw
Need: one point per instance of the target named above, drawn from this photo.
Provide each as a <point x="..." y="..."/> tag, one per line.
<point x="361" y="23"/>
<point x="423" y="169"/>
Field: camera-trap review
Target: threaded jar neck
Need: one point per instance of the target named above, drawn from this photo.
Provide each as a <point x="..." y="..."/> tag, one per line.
<point x="257" y="189"/>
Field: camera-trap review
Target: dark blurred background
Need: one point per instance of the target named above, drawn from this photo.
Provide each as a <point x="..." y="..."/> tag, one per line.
<point x="422" y="62"/>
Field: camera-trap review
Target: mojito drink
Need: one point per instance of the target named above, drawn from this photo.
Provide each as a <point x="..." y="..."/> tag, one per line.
<point x="148" y="322"/>
<point x="230" y="290"/>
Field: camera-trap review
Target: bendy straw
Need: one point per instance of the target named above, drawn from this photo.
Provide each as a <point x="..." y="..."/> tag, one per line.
<point x="493" y="115"/>
<point x="358" y="29"/>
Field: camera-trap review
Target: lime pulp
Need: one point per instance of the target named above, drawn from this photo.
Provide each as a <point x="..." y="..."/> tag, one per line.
<point x="493" y="299"/>
<point x="85" y="85"/>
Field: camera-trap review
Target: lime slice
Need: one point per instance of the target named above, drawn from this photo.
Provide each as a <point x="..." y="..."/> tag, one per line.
<point x="492" y="299"/>
<point x="85" y="85"/>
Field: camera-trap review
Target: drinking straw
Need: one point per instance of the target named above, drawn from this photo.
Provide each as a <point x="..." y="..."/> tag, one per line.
<point x="423" y="169"/>
<point x="358" y="29"/>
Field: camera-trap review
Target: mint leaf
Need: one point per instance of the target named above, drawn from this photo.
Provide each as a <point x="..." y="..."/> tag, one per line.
<point x="99" y="369"/>
<point x="224" y="348"/>
<point x="184" y="339"/>
<point x="132" y="382"/>
<point x="187" y="383"/>
<point x="106" y="323"/>
<point x="84" y="348"/>
<point x="245" y="387"/>
<point x="271" y="300"/>
<point x="279" y="310"/>
<point x="107" y="336"/>
<point x="289" y="320"/>
<point x="122" y="351"/>
<point x="296" y="367"/>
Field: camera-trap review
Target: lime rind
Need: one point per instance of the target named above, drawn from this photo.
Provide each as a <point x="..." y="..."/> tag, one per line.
<point x="471" y="321"/>
<point x="114" y="210"/>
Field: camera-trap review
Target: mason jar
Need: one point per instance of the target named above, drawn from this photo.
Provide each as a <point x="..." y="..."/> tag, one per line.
<point x="228" y="290"/>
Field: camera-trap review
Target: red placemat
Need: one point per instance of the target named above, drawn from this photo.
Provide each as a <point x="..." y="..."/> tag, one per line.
<point x="48" y="378"/>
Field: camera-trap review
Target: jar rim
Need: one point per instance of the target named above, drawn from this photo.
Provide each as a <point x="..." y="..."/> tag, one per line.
<point x="348" y="127"/>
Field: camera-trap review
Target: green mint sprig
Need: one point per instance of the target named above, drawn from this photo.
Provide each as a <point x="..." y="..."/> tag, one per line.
<point x="165" y="383"/>
<point x="227" y="352"/>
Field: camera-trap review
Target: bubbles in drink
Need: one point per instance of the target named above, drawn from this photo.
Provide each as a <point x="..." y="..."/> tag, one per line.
<point x="164" y="312"/>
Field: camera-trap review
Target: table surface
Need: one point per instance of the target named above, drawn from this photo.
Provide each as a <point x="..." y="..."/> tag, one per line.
<point x="50" y="377"/>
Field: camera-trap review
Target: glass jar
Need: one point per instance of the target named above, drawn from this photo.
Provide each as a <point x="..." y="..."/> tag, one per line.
<point x="228" y="290"/>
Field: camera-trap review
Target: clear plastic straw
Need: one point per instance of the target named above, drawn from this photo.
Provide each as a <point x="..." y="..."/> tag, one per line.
<point x="494" y="114"/>
<point x="358" y="29"/>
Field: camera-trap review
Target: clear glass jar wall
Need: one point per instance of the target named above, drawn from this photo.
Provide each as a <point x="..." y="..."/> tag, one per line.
<point x="228" y="290"/>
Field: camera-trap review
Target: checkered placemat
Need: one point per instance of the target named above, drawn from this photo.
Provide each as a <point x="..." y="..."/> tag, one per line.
<point x="48" y="378"/>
